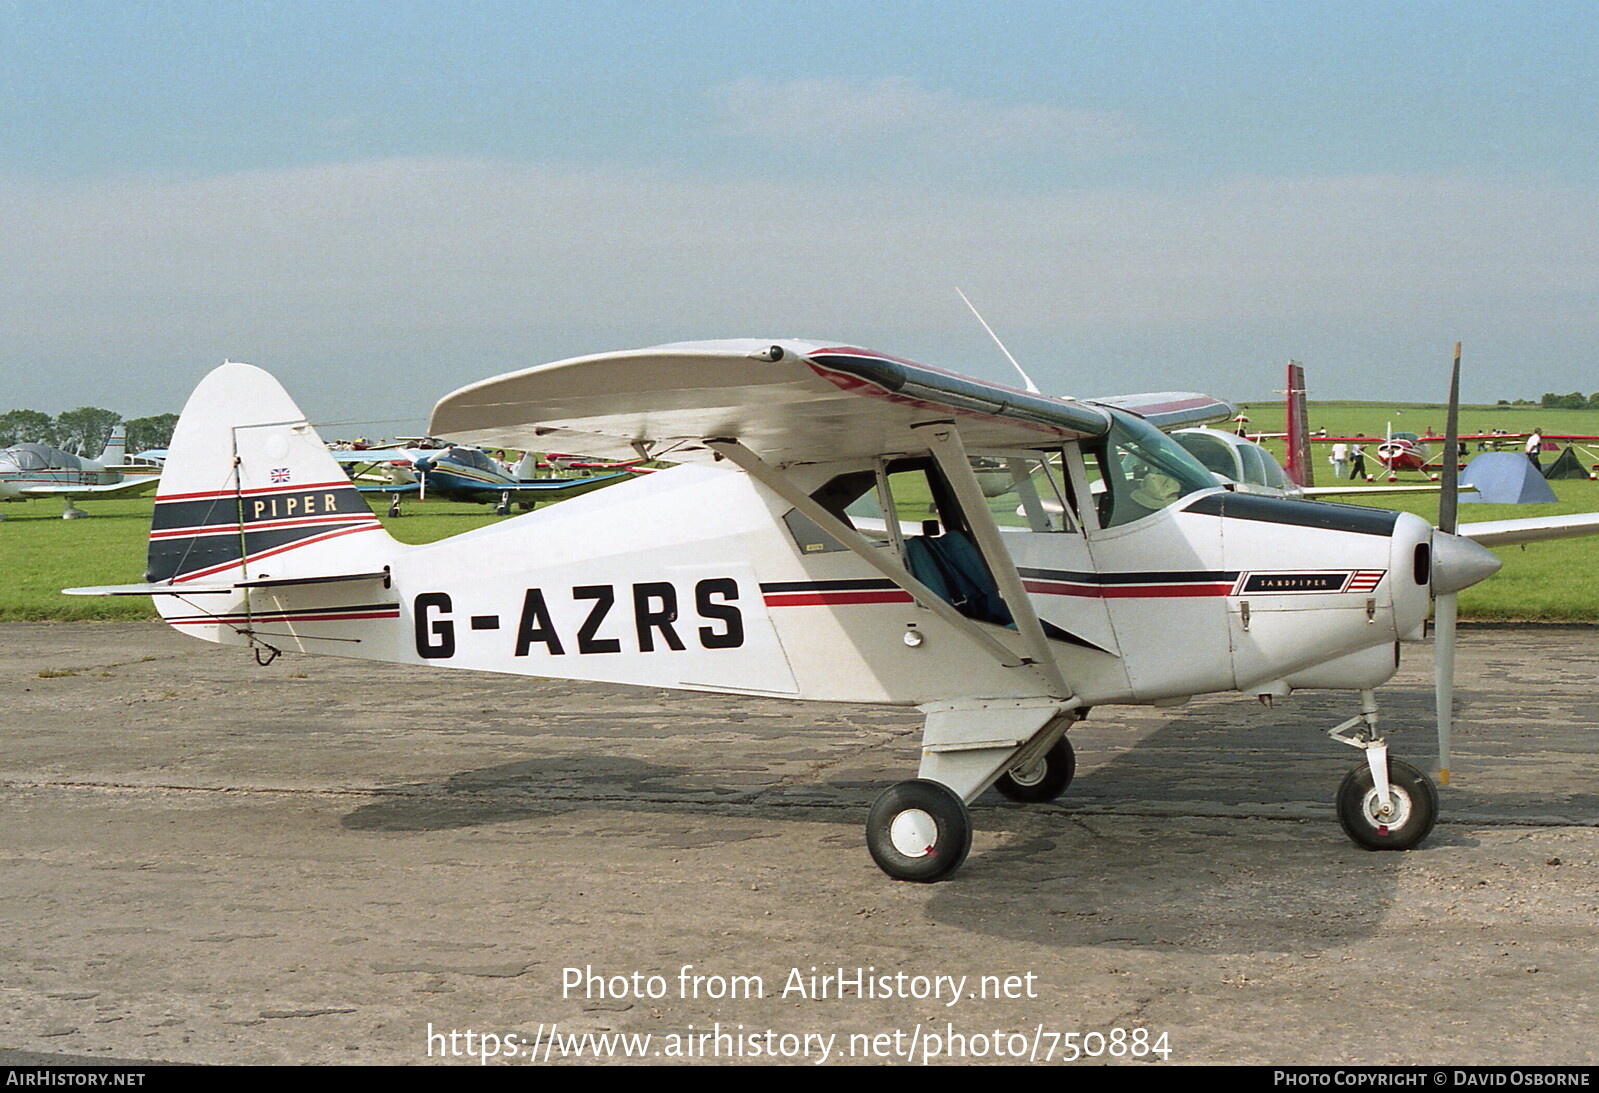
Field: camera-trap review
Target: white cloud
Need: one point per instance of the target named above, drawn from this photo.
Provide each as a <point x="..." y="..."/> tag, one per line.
<point x="895" y="112"/>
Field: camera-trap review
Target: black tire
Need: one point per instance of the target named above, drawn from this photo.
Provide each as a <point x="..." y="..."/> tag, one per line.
<point x="1046" y="781"/>
<point x="1415" y="807"/>
<point x="922" y="810"/>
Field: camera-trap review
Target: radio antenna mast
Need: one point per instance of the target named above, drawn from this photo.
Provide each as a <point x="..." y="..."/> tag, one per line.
<point x="1028" y="380"/>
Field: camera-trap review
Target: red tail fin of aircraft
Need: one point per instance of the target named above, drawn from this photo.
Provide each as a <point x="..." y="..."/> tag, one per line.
<point x="1298" y="463"/>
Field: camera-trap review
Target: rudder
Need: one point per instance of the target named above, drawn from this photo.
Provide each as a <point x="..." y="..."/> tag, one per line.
<point x="250" y="491"/>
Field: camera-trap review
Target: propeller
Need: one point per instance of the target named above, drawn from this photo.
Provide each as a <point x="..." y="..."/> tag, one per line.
<point x="1446" y="603"/>
<point x="1457" y="563"/>
<point x="421" y="467"/>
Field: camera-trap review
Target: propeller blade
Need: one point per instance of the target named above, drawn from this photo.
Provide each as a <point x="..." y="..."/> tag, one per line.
<point x="1446" y="606"/>
<point x="1449" y="495"/>
<point x="1443" y="654"/>
<point x="421" y="485"/>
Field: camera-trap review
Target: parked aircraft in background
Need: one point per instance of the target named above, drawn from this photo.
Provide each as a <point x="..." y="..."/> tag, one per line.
<point x="462" y="473"/>
<point x="1251" y="467"/>
<point x="29" y="471"/>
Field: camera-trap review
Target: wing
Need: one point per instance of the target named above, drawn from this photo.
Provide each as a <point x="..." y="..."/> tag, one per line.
<point x="789" y="402"/>
<point x="1492" y="533"/>
<point x="1333" y="491"/>
<point x="371" y="455"/>
<point x="559" y="489"/>
<point x="1172" y="409"/>
<point x="130" y="487"/>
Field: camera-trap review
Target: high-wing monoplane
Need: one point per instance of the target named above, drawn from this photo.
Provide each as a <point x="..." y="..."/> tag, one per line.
<point x="1142" y="580"/>
<point x="29" y="471"/>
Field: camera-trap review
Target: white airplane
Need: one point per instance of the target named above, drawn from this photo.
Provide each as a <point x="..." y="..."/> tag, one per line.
<point x="29" y="471"/>
<point x="1143" y="581"/>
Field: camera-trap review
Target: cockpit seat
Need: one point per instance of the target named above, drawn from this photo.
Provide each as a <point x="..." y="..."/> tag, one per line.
<point x="952" y="568"/>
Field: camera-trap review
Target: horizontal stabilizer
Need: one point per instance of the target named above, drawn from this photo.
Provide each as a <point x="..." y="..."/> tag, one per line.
<point x="165" y="588"/>
<point x="159" y="588"/>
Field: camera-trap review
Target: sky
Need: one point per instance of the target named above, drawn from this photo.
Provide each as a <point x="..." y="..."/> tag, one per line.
<point x="382" y="202"/>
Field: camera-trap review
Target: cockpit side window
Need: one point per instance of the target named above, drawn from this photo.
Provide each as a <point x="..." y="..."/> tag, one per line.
<point x="1025" y="489"/>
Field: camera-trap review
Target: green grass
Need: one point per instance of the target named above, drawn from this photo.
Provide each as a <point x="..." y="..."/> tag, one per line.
<point x="40" y="553"/>
<point x="1373" y="418"/>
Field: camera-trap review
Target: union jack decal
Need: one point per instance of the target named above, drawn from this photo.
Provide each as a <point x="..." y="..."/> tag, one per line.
<point x="280" y="475"/>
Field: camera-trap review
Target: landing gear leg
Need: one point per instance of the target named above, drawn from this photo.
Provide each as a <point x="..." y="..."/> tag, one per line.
<point x="504" y="507"/>
<point x="394" y="504"/>
<point x="920" y="830"/>
<point x="1387" y="804"/>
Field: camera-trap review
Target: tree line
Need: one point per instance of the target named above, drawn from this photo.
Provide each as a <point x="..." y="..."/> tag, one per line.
<point x="1574" y="401"/>
<point x="84" y="430"/>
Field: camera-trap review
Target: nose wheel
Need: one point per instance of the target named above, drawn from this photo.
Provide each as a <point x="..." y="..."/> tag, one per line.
<point x="919" y="831"/>
<point x="1387" y="804"/>
<point x="1398" y="823"/>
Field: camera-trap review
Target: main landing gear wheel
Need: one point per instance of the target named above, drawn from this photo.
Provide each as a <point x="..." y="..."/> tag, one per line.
<point x="1413" y="807"/>
<point x="1044" y="780"/>
<point x="919" y="830"/>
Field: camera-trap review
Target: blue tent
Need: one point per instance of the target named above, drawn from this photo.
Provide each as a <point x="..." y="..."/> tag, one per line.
<point x="1504" y="478"/>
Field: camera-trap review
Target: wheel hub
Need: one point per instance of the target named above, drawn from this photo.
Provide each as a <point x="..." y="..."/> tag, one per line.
<point x="914" y="833"/>
<point x="1397" y="814"/>
<point x="1030" y="775"/>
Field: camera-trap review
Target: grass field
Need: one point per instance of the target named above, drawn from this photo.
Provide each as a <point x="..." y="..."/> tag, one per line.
<point x="1373" y="418"/>
<point x="40" y="553"/>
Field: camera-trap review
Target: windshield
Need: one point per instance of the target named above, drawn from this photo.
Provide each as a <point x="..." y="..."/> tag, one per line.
<point x="1143" y="470"/>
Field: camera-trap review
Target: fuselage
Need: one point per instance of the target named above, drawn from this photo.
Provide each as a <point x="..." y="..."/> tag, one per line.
<point x="701" y="578"/>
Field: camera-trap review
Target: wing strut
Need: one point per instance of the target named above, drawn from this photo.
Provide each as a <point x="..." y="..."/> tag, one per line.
<point x="957" y="467"/>
<point x="763" y="472"/>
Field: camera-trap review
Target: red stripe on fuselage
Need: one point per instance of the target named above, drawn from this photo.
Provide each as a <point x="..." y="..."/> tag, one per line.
<point x="259" y="491"/>
<point x="814" y="599"/>
<point x="265" y="525"/>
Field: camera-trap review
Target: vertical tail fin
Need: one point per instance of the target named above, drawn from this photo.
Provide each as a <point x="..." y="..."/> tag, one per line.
<point x="115" y="452"/>
<point x="1298" y="464"/>
<point x="250" y="491"/>
<point x="528" y="467"/>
